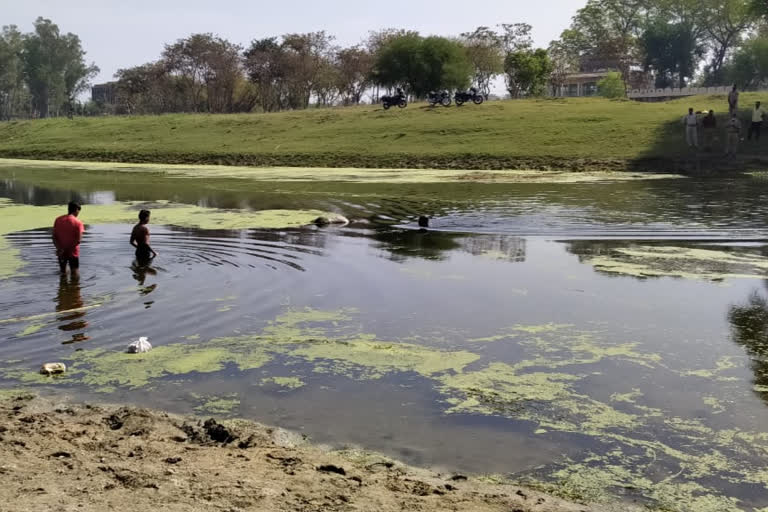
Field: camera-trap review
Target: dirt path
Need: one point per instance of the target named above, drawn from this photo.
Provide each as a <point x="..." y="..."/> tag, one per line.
<point x="60" y="456"/>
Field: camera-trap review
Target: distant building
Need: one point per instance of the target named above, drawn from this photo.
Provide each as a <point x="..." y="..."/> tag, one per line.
<point x="585" y="84"/>
<point x="104" y="93"/>
<point x="580" y="84"/>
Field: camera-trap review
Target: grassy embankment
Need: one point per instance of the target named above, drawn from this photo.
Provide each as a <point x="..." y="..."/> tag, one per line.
<point x="563" y="134"/>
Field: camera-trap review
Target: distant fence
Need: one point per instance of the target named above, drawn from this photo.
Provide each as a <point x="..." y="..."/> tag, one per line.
<point x="672" y="92"/>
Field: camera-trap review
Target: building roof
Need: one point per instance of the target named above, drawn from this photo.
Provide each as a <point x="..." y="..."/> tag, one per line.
<point x="576" y="76"/>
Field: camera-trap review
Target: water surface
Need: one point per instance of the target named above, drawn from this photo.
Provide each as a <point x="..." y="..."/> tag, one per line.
<point x="606" y="339"/>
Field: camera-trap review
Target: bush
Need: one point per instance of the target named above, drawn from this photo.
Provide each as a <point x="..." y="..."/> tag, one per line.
<point x="612" y="86"/>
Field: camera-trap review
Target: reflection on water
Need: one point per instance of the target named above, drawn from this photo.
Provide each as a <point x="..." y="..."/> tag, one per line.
<point x="603" y="361"/>
<point x="69" y="304"/>
<point x="749" y="322"/>
<point x="140" y="272"/>
<point x="677" y="208"/>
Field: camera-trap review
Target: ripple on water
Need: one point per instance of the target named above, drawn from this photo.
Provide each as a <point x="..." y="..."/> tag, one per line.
<point x="206" y="282"/>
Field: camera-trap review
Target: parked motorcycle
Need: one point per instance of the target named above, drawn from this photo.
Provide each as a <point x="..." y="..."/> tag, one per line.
<point x="396" y="99"/>
<point x="472" y="95"/>
<point x="442" y="97"/>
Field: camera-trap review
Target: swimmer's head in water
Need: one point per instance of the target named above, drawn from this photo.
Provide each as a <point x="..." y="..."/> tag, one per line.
<point x="144" y="216"/>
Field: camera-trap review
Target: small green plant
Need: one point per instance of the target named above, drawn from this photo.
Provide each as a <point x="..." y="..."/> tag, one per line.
<point x="612" y="86"/>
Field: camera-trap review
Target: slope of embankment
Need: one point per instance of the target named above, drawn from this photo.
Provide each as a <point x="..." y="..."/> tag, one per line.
<point x="554" y="134"/>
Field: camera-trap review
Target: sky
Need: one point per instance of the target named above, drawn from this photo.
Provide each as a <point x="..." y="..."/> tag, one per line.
<point x="124" y="33"/>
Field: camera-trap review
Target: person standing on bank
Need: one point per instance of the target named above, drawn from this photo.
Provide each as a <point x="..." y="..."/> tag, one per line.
<point x="732" y="135"/>
<point x="733" y="100"/>
<point x="67" y="235"/>
<point x="709" y="126"/>
<point x="758" y="114"/>
<point x="691" y="122"/>
<point x="140" y="239"/>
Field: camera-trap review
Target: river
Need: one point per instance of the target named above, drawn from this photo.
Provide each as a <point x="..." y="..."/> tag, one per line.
<point x="602" y="340"/>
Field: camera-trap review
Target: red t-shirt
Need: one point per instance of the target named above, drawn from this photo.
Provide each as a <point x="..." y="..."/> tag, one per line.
<point x="68" y="229"/>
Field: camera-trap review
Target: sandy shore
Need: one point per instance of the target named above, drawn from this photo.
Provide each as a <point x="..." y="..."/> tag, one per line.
<point x="55" y="455"/>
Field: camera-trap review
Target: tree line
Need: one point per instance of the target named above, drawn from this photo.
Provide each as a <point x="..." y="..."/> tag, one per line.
<point x="677" y="43"/>
<point x="206" y="73"/>
<point x="669" y="42"/>
<point x="41" y="72"/>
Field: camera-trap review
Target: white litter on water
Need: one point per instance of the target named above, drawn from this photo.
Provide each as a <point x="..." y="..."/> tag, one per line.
<point x="53" y="368"/>
<point x="139" y="346"/>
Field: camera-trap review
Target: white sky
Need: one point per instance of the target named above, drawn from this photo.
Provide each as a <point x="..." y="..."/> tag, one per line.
<point x="124" y="33"/>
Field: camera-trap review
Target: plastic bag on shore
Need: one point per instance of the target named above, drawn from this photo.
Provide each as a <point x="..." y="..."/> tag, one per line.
<point x="139" y="346"/>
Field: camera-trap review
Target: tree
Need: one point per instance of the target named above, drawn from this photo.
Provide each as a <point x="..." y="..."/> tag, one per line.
<point x="673" y="51"/>
<point x="759" y="7"/>
<point x="604" y="35"/>
<point x="727" y="21"/>
<point x="612" y="86"/>
<point x="305" y="56"/>
<point x="445" y="66"/>
<point x="209" y="67"/>
<point x="54" y="67"/>
<point x="355" y="66"/>
<point x="527" y="72"/>
<point x="420" y="65"/>
<point x="625" y="17"/>
<point x="749" y="65"/>
<point x="149" y="89"/>
<point x="327" y="84"/>
<point x="398" y="62"/>
<point x="516" y="36"/>
<point x="485" y="52"/>
<point x="679" y="28"/>
<point x="563" y="63"/>
<point x="12" y="90"/>
<point x="264" y="65"/>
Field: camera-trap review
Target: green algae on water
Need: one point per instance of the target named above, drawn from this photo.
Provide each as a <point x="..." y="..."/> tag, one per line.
<point x="219" y="405"/>
<point x="104" y="370"/>
<point x="12" y="394"/>
<point x="647" y="452"/>
<point x="30" y="329"/>
<point x="341" y="174"/>
<point x="709" y="264"/>
<point x="367" y="359"/>
<point x="108" y="369"/>
<point x="513" y="331"/>
<point x="288" y="383"/>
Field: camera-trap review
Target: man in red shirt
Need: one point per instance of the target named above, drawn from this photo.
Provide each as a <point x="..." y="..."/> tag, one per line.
<point x="67" y="235"/>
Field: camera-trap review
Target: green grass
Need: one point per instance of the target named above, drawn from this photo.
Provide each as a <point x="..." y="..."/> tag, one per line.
<point x="577" y="133"/>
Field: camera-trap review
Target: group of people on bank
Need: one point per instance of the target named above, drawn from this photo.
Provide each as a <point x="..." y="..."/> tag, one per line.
<point x="707" y="125"/>
<point x="68" y="234"/>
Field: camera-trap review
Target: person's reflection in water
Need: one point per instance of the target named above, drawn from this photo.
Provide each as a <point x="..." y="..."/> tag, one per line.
<point x="140" y="270"/>
<point x="69" y="303"/>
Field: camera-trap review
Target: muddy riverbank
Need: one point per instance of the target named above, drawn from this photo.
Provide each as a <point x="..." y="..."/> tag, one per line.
<point x="61" y="456"/>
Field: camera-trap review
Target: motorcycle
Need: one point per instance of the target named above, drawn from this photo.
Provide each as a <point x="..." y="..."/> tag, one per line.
<point x="396" y="99"/>
<point x="442" y="97"/>
<point x="467" y="96"/>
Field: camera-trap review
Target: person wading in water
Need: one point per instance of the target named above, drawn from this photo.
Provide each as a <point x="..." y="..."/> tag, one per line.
<point x="67" y="235"/>
<point x="140" y="239"/>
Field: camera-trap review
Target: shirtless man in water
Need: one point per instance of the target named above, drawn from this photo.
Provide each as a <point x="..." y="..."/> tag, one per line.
<point x="140" y="239"/>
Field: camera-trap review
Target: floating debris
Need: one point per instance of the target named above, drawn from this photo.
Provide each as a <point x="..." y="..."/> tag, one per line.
<point x="139" y="346"/>
<point x="53" y="368"/>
